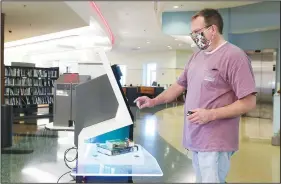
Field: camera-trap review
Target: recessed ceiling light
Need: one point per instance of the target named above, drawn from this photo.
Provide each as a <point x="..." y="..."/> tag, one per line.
<point x="138" y="47"/>
<point x="180" y="44"/>
<point x="176" y="39"/>
<point x="175" y="7"/>
<point x="148" y="42"/>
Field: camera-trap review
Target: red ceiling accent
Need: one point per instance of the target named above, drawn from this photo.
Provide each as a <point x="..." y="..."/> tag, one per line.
<point x="95" y="7"/>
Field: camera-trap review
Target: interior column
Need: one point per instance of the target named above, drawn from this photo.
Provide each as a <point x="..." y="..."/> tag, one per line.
<point x="2" y="59"/>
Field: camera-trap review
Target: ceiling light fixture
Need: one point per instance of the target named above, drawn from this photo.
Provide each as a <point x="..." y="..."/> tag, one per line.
<point x="176" y="39"/>
<point x="180" y="44"/>
<point x="148" y="42"/>
<point x="138" y="47"/>
<point x="175" y="7"/>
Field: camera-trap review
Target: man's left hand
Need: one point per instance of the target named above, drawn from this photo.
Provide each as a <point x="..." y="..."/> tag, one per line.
<point x="201" y="116"/>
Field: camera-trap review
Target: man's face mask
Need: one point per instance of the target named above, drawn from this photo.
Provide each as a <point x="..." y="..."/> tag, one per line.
<point x="200" y="40"/>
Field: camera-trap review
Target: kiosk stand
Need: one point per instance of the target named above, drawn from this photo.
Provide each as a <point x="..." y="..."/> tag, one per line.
<point x="103" y="113"/>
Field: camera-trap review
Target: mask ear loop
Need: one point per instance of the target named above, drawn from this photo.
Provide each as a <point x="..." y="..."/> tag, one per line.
<point x="210" y="41"/>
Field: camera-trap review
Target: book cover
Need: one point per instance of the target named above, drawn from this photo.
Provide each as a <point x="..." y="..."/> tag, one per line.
<point x="104" y="149"/>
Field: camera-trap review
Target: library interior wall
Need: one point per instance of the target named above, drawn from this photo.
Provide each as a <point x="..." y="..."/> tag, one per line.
<point x="170" y="64"/>
<point x="135" y="62"/>
<point x="260" y="16"/>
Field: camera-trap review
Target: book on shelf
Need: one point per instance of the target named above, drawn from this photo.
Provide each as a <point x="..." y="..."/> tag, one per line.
<point x="29" y="85"/>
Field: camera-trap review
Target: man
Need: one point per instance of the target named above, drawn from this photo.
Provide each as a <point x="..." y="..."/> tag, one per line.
<point x="220" y="88"/>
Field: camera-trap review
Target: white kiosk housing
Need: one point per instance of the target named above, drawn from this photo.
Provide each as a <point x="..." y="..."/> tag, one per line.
<point x="103" y="114"/>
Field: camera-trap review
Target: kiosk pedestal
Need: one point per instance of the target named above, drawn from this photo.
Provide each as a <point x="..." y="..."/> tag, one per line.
<point x="96" y="167"/>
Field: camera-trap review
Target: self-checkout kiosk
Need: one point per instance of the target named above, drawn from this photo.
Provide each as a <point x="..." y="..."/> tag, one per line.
<point x="64" y="98"/>
<point x="102" y="113"/>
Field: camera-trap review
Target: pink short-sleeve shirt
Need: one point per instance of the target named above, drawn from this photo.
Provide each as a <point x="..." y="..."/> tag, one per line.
<point x="214" y="80"/>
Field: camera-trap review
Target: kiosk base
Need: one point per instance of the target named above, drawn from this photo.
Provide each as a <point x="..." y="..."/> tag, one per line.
<point x="100" y="179"/>
<point x="95" y="167"/>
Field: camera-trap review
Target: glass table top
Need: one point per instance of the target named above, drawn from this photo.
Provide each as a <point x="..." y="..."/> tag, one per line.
<point x="138" y="163"/>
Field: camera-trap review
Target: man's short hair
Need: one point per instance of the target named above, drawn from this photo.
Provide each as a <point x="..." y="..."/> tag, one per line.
<point x="211" y="17"/>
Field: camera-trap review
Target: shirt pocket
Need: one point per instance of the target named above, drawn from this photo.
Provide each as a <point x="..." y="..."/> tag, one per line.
<point x="210" y="78"/>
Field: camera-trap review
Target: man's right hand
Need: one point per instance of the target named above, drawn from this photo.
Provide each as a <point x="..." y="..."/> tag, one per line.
<point x="144" y="102"/>
<point x="166" y="96"/>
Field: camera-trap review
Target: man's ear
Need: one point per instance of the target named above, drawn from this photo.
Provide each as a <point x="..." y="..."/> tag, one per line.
<point x="215" y="29"/>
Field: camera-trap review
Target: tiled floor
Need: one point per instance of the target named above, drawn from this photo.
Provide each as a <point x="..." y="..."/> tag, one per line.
<point x="160" y="134"/>
<point x="256" y="161"/>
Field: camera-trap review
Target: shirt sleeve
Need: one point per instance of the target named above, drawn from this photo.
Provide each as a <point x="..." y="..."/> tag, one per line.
<point x="241" y="78"/>
<point x="182" y="80"/>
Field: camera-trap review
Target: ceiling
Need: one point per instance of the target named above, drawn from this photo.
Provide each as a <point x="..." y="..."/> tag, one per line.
<point x="29" y="19"/>
<point x="198" y="5"/>
<point x="135" y="24"/>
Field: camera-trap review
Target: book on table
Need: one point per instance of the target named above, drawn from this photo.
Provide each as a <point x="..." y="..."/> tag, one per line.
<point x="116" y="147"/>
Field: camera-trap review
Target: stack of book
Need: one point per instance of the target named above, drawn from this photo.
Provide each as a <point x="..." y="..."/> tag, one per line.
<point x="116" y="147"/>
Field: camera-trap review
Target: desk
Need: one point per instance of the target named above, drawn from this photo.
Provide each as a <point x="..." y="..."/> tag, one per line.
<point x="140" y="163"/>
<point x="147" y="90"/>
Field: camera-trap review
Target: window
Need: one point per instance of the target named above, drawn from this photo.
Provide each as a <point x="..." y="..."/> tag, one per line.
<point x="123" y="69"/>
<point x="151" y="74"/>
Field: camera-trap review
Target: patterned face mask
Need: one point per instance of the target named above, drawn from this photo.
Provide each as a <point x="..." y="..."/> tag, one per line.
<point x="201" y="41"/>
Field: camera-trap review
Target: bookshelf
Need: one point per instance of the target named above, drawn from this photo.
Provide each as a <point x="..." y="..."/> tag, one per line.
<point x="27" y="88"/>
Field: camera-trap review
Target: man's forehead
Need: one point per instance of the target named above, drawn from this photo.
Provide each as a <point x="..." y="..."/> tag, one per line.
<point x="197" y="23"/>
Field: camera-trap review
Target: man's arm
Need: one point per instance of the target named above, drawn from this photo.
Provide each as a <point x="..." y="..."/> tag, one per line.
<point x="236" y="109"/>
<point x="169" y="95"/>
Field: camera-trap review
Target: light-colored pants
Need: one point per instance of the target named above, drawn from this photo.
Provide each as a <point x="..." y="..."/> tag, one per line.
<point x="211" y="167"/>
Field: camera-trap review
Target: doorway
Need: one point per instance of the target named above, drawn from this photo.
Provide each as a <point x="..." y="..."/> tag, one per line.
<point x="151" y="74"/>
<point x="258" y="123"/>
<point x="263" y="64"/>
